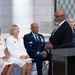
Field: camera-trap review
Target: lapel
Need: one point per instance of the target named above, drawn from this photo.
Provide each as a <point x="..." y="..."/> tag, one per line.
<point x="39" y="37"/>
<point x="32" y="37"/>
<point x="58" y="29"/>
<point x="73" y="31"/>
<point x="55" y="31"/>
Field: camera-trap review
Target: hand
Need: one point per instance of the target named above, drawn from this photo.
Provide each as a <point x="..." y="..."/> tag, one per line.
<point x="49" y="46"/>
<point x="44" y="54"/>
<point x="5" y="57"/>
<point x="24" y="57"/>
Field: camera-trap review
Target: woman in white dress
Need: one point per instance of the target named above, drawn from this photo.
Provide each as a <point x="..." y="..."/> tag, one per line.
<point x="6" y="64"/>
<point x="18" y="52"/>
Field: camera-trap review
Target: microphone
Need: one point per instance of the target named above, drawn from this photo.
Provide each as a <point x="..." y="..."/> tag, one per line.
<point x="67" y="45"/>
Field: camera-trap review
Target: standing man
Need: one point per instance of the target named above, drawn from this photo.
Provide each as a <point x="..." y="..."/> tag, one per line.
<point x="71" y="23"/>
<point x="62" y="34"/>
<point x="35" y="43"/>
<point x="61" y="37"/>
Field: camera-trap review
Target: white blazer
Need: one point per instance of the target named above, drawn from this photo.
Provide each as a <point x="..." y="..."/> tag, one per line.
<point x="16" y="47"/>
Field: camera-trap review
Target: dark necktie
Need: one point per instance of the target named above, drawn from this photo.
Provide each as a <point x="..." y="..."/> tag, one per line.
<point x="36" y="36"/>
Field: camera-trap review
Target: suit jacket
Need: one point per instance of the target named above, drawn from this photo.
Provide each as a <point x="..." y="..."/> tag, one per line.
<point x="32" y="45"/>
<point x="62" y="37"/>
<point x="73" y="33"/>
<point x="73" y="30"/>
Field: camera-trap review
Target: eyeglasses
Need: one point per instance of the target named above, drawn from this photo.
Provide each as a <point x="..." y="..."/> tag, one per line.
<point x="58" y="15"/>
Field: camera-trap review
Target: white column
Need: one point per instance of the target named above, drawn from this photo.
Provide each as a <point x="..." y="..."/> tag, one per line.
<point x="23" y="14"/>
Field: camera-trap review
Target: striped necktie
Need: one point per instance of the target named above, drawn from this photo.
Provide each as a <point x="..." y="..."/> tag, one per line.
<point x="36" y="36"/>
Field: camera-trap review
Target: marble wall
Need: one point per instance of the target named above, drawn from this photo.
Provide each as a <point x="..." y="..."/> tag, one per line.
<point x="24" y="12"/>
<point x="44" y="15"/>
<point x="5" y="14"/>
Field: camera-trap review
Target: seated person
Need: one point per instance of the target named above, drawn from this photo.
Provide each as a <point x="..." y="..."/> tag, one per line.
<point x="71" y="23"/>
<point x="18" y="52"/>
<point x="34" y="43"/>
<point x="6" y="64"/>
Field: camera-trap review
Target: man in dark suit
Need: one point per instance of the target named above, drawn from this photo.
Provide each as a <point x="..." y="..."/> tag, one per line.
<point x="61" y="37"/>
<point x="71" y="23"/>
<point x="62" y="34"/>
<point x="34" y="43"/>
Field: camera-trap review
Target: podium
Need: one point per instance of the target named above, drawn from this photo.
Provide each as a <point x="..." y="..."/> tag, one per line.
<point x="63" y="61"/>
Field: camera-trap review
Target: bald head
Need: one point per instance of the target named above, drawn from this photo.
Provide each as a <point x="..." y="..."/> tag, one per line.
<point x="71" y="22"/>
<point x="60" y="15"/>
<point x="60" y="12"/>
<point x="34" y="28"/>
<point x="33" y="24"/>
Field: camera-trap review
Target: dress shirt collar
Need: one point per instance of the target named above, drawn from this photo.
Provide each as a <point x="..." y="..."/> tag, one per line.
<point x="61" y="23"/>
<point x="14" y="39"/>
<point x="35" y="36"/>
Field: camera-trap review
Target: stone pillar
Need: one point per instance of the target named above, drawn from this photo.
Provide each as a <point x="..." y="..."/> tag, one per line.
<point x="23" y="14"/>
